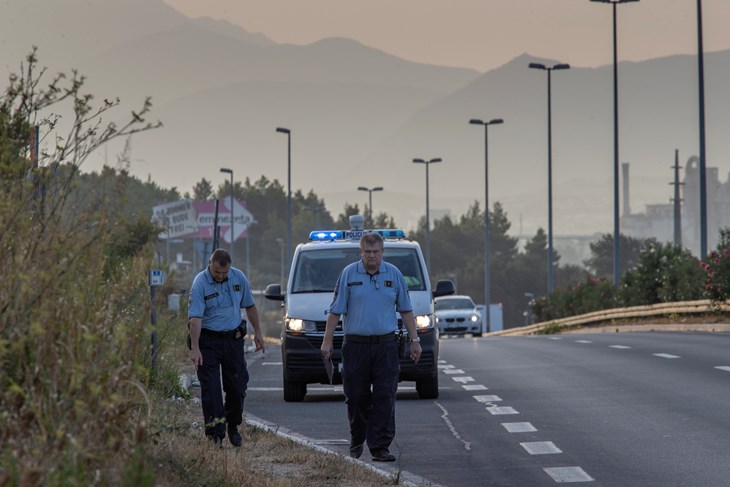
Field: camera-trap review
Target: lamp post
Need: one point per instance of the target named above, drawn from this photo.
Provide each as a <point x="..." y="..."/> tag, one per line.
<point x="281" y="271"/>
<point x="550" y="280"/>
<point x="487" y="277"/>
<point x="616" y="234"/>
<point x="370" y="197"/>
<point x="286" y="131"/>
<point x="233" y="234"/>
<point x="428" y="221"/>
<point x="703" y="161"/>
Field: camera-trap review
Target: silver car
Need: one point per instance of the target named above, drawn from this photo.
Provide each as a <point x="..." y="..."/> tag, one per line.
<point x="457" y="315"/>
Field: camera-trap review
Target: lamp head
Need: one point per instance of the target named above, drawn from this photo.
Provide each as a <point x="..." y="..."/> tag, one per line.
<point x="495" y="121"/>
<point x="537" y="66"/>
<point x="283" y="130"/>
<point x="476" y="121"/>
<point x="226" y="170"/>
<point x="378" y="188"/>
<point x="362" y="188"/>
<point x="561" y="66"/>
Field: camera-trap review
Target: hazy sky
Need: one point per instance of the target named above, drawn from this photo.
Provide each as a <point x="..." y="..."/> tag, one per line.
<point x="483" y="34"/>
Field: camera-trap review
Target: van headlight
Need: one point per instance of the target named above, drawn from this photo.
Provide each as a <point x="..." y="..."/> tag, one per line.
<point x="423" y="321"/>
<point x="300" y="326"/>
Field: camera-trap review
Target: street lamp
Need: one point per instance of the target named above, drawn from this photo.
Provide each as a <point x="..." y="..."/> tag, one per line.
<point x="703" y="156"/>
<point x="281" y="271"/>
<point x="616" y="235"/>
<point x="286" y="131"/>
<point x="428" y="221"/>
<point x="370" y="197"/>
<point x="487" y="277"/>
<point x="233" y="235"/>
<point x="550" y="280"/>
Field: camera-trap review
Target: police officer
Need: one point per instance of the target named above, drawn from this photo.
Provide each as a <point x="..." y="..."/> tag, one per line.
<point x="216" y="341"/>
<point x="369" y="292"/>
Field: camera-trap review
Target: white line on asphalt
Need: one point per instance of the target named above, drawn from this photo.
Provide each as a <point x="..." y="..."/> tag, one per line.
<point x="467" y="445"/>
<point x="497" y="410"/>
<point x="463" y="380"/>
<point x="554" y="338"/>
<point x="453" y="371"/>
<point x="488" y="398"/>
<point x="519" y="427"/>
<point x="618" y="346"/>
<point x="583" y="341"/>
<point x="271" y="363"/>
<point x="445" y="366"/>
<point x="568" y="474"/>
<point x="726" y="368"/>
<point x="665" y="355"/>
<point x="474" y="387"/>
<point x="541" y="447"/>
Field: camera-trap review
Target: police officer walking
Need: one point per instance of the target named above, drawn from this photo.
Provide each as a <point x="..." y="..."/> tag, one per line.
<point x="369" y="292"/>
<point x="216" y="344"/>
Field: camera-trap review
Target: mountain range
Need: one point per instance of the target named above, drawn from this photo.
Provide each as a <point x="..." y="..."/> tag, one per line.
<point x="358" y="116"/>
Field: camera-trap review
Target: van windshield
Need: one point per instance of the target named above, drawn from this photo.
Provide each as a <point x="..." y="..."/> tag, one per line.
<point x="317" y="269"/>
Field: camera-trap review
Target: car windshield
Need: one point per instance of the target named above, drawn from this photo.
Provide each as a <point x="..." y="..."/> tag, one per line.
<point x="317" y="269"/>
<point x="457" y="303"/>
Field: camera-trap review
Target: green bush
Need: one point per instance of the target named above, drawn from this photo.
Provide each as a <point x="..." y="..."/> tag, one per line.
<point x="717" y="270"/>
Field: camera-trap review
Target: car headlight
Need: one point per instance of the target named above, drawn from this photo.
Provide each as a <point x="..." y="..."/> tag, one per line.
<point x="474" y="318"/>
<point x="300" y="326"/>
<point x="423" y="321"/>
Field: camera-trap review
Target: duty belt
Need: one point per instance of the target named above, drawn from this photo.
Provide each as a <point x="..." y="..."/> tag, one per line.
<point x="388" y="337"/>
<point x="234" y="334"/>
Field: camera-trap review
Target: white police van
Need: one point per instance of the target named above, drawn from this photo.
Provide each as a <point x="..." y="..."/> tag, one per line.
<point x="315" y="268"/>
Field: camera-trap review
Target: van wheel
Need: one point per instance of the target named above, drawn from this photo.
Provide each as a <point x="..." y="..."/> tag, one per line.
<point x="429" y="388"/>
<point x="294" y="391"/>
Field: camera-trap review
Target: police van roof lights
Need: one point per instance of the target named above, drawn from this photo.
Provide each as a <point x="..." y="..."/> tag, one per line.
<point x="328" y="235"/>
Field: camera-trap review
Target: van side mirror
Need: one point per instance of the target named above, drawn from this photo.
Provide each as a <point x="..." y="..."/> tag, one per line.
<point x="444" y="287"/>
<point x="273" y="292"/>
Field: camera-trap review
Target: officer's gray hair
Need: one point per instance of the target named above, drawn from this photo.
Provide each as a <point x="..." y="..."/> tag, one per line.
<point x="221" y="257"/>
<point x="371" y="239"/>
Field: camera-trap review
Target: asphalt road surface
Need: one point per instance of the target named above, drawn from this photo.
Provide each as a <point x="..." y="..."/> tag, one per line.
<point x="629" y="409"/>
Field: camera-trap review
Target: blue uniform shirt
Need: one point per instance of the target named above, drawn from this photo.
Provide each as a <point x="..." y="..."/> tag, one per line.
<point x="370" y="302"/>
<point x="219" y="303"/>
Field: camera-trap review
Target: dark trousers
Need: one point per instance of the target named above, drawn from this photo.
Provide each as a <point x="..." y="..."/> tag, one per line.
<point x="370" y="380"/>
<point x="224" y="355"/>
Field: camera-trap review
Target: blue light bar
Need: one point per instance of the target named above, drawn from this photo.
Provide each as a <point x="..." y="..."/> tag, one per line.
<point x="328" y="235"/>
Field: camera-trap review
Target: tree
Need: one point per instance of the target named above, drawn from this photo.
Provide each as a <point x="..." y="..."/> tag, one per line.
<point x="601" y="261"/>
<point x="203" y="190"/>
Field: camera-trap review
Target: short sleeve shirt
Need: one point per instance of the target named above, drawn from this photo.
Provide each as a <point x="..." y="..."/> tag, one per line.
<point x="219" y="304"/>
<point x="369" y="302"/>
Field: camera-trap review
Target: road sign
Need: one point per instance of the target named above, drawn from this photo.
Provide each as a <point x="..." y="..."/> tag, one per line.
<point x="178" y="218"/>
<point x="242" y="219"/>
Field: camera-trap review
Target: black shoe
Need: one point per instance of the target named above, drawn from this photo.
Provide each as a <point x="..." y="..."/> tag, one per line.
<point x="217" y="441"/>
<point x="383" y="456"/>
<point x="356" y="450"/>
<point x="234" y="436"/>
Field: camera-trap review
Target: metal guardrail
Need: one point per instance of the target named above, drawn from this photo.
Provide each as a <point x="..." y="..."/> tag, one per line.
<point x="608" y="315"/>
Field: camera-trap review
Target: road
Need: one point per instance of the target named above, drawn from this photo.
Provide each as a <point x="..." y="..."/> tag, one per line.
<point x="629" y="409"/>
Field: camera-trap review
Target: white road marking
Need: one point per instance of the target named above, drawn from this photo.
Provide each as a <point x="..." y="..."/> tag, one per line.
<point x="497" y="410"/>
<point x="519" y="427"/>
<point x="583" y="341"/>
<point x="467" y="445"/>
<point x="463" y="380"/>
<point x="541" y="448"/>
<point x="453" y="371"/>
<point x="488" y="398"/>
<point x="271" y="363"/>
<point x="445" y="366"/>
<point x="618" y="346"/>
<point x="568" y="474"/>
<point x="726" y="368"/>
<point x="665" y="355"/>
<point x="265" y="389"/>
<point x="554" y="338"/>
<point x="474" y="387"/>
<point x="442" y="361"/>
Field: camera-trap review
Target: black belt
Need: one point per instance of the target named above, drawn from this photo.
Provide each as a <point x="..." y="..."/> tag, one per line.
<point x="234" y="334"/>
<point x="388" y="337"/>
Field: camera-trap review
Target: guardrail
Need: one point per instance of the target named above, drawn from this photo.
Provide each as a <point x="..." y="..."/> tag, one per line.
<point x="608" y="315"/>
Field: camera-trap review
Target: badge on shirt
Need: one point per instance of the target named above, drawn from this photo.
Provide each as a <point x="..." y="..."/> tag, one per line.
<point x="388" y="283"/>
<point x="237" y="288"/>
<point x="356" y="283"/>
<point x="211" y="296"/>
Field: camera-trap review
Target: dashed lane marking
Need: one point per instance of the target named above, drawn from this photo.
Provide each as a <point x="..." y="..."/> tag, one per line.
<point x="541" y="448"/>
<point x="554" y="338"/>
<point x="445" y="366"/>
<point x="568" y="474"/>
<point x="474" y="387"/>
<point x="583" y="341"/>
<point x="488" y="398"/>
<point x="463" y="380"/>
<point x="453" y="371"/>
<point x="499" y="410"/>
<point x="525" y="427"/>
<point x="622" y="347"/>
<point x="726" y="368"/>
<point x="271" y="363"/>
<point x="665" y="355"/>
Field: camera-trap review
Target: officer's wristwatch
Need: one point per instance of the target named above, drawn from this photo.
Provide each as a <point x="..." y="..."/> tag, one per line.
<point x="417" y="339"/>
